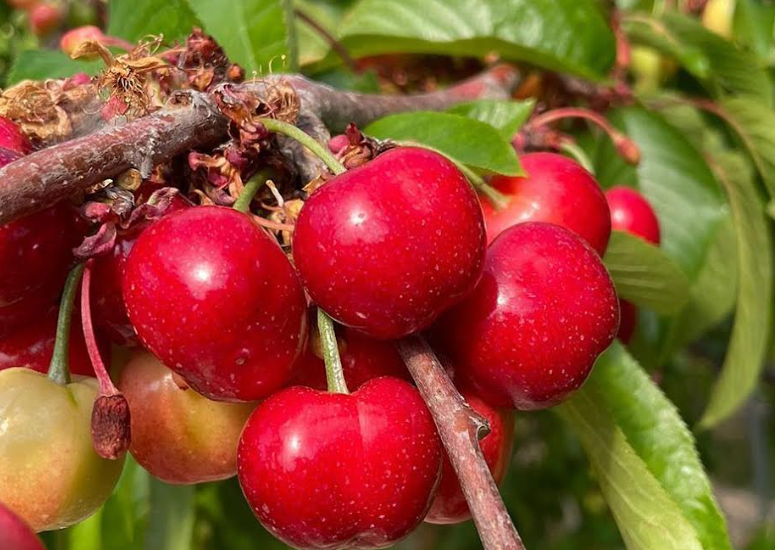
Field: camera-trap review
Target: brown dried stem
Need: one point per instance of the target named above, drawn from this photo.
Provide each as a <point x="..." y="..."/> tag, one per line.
<point x="50" y="175"/>
<point x="460" y="428"/>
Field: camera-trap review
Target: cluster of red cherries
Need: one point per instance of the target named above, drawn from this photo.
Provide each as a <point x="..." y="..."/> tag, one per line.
<point x="515" y="300"/>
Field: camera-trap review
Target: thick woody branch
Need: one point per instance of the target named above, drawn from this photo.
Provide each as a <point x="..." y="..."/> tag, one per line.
<point x="459" y="427"/>
<point x="50" y="175"/>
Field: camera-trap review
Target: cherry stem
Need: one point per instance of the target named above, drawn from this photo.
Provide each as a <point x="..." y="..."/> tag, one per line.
<point x="106" y="384"/>
<point x="248" y="193"/>
<point x="59" y="369"/>
<point x="330" y="346"/>
<point x="572" y="148"/>
<point x="460" y="429"/>
<point x="320" y="151"/>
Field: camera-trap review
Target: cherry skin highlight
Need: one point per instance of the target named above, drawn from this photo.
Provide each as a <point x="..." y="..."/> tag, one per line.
<point x="215" y="298"/>
<point x="363" y="359"/>
<point x="388" y="246"/>
<point x="15" y="534"/>
<point x="543" y="312"/>
<point x="556" y="190"/>
<point x="631" y="212"/>
<point x="32" y="344"/>
<point x="178" y="435"/>
<point x="450" y="505"/>
<point x="329" y="470"/>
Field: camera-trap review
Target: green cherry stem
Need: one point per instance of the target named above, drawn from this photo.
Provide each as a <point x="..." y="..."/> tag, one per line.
<point x="579" y="155"/>
<point x="320" y="151"/>
<point x="334" y="372"/>
<point x="242" y="204"/>
<point x="59" y="369"/>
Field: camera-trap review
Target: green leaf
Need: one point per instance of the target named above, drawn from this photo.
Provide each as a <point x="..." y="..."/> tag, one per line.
<point x="675" y="179"/>
<point x="565" y="35"/>
<point x="328" y="14"/>
<point x="253" y="33"/>
<point x="171" y="522"/>
<point x="645" y="275"/>
<point x="754" y="124"/>
<point x="659" y="436"/>
<point x="44" y="64"/>
<point x="87" y="535"/>
<point x="648" y="518"/>
<point x="465" y="140"/>
<point x="134" y="20"/>
<point x="753" y="316"/>
<point x="753" y="25"/>
<point x="505" y="116"/>
<point x="731" y="69"/>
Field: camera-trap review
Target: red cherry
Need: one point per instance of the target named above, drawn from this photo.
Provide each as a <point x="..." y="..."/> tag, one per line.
<point x="556" y="190"/>
<point x="44" y="18"/>
<point x="328" y="470"/>
<point x="108" y="309"/>
<point x="13" y="139"/>
<point x="32" y="345"/>
<point x="450" y="505"/>
<point x="388" y="246"/>
<point x="15" y="534"/>
<point x="215" y="298"/>
<point x="631" y="212"/>
<point x="36" y="253"/>
<point x="629" y="321"/>
<point x="530" y="333"/>
<point x="363" y="359"/>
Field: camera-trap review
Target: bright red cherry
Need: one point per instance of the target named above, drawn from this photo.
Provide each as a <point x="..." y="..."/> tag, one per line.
<point x="556" y="190"/>
<point x="12" y="138"/>
<point x="178" y="435"/>
<point x="388" y="246"/>
<point x="450" y="505"/>
<point x="631" y="212"/>
<point x="15" y="534"/>
<point x="32" y="345"/>
<point x="328" y="470"/>
<point x="363" y="359"/>
<point x="216" y="299"/>
<point x="530" y="333"/>
<point x="108" y="309"/>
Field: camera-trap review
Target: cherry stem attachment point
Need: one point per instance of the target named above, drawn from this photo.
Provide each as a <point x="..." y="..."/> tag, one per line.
<point x="319" y="150"/>
<point x="106" y="384"/>
<point x="59" y="369"/>
<point x="248" y="193"/>
<point x="330" y="346"/>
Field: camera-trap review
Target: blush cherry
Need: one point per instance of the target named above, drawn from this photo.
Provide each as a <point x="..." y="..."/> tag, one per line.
<point x="556" y="190"/>
<point x="543" y="312"/>
<point x="388" y="246"/>
<point x="332" y="470"/>
<point x="216" y="299"/>
<point x="450" y="505"/>
<point x="15" y="534"/>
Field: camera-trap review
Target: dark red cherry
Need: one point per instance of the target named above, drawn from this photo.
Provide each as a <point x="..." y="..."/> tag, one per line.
<point x="530" y="333"/>
<point x="363" y="359"/>
<point x="388" y="246"/>
<point x="108" y="307"/>
<point x="32" y="345"/>
<point x="12" y="138"/>
<point x="216" y="299"/>
<point x="15" y="534"/>
<point x="556" y="190"/>
<point x="328" y="470"/>
<point x="36" y="253"/>
<point x="450" y="505"/>
<point x="631" y="212"/>
<point x="629" y="321"/>
<point x="25" y="311"/>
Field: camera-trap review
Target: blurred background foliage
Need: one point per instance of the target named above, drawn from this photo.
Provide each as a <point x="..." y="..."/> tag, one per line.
<point x="718" y="50"/>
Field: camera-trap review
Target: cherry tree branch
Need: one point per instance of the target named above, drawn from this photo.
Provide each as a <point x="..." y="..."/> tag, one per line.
<point x="459" y="427"/>
<point x="192" y="121"/>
